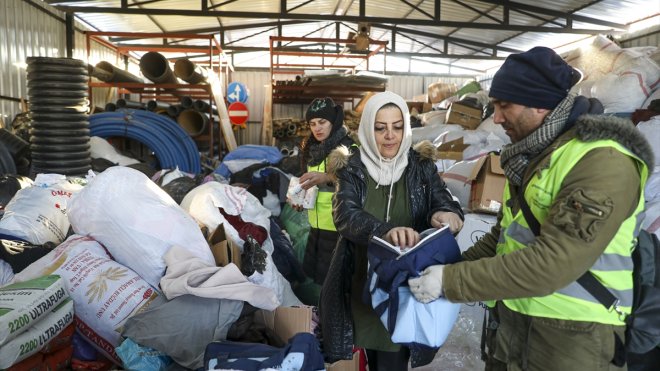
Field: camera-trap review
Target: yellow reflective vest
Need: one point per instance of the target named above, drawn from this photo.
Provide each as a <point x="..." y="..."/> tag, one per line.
<point x="613" y="268"/>
<point x="320" y="217"/>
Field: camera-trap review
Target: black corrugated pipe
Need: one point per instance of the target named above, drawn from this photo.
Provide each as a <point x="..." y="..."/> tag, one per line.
<point x="156" y="68"/>
<point x="190" y="72"/>
<point x="106" y="71"/>
<point x="59" y="138"/>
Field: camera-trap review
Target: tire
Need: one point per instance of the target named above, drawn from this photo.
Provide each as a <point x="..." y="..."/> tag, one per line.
<point x="48" y="67"/>
<point x="55" y="116"/>
<point x="57" y="164"/>
<point x="79" y="170"/>
<point x="50" y="92"/>
<point x="58" y="109"/>
<point x="57" y="101"/>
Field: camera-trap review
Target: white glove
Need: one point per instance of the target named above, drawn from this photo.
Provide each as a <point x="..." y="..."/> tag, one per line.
<point x="428" y="286"/>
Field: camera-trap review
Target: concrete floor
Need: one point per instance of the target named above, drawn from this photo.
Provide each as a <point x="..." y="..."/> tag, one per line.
<point x="462" y="350"/>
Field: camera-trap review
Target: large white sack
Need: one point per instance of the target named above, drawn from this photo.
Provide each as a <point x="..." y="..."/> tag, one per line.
<point x="433" y="132"/>
<point x="6" y="273"/>
<point x="603" y="57"/>
<point x="105" y="293"/>
<point x="433" y="118"/>
<point x="651" y="131"/>
<point x="100" y="148"/>
<point x="203" y="203"/>
<point x="136" y="221"/>
<point x="458" y="182"/>
<point x="620" y="93"/>
<point x="652" y="219"/>
<point x="38" y="214"/>
<point x="490" y="126"/>
<point x="652" y="189"/>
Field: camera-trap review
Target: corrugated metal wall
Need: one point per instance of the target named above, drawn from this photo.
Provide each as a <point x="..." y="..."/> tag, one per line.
<point x="26" y="31"/>
<point x="652" y="39"/>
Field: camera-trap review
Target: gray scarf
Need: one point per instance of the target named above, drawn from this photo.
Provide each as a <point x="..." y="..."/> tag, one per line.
<point x="516" y="156"/>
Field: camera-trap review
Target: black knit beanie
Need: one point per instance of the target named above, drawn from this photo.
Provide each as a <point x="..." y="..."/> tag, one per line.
<point x="537" y="78"/>
<point x="326" y="108"/>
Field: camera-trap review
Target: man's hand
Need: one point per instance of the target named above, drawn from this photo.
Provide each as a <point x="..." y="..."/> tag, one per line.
<point x="313" y="178"/>
<point x="441" y="218"/>
<point x="402" y="237"/>
<point x="428" y="286"/>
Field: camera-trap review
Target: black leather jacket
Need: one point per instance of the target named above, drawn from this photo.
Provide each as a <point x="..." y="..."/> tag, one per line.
<point x="428" y="194"/>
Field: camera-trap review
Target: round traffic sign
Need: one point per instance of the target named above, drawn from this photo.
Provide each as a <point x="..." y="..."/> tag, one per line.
<point x="238" y="113"/>
<point x="237" y="92"/>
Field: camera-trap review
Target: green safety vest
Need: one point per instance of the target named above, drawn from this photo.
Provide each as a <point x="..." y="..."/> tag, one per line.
<point x="320" y="217"/>
<point x="613" y="268"/>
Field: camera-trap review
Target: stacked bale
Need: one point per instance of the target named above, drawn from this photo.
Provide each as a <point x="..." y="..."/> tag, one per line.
<point x="59" y="137"/>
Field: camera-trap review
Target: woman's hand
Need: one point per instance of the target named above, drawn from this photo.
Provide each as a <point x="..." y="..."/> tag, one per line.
<point x="313" y="178"/>
<point x="402" y="237"/>
<point x="442" y="218"/>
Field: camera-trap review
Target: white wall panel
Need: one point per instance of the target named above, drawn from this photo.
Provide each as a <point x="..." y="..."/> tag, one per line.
<point x="25" y="31"/>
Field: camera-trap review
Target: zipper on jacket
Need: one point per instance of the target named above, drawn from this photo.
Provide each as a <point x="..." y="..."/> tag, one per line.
<point x="579" y="206"/>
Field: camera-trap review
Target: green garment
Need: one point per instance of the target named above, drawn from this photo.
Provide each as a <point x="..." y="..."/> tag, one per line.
<point x="369" y="330"/>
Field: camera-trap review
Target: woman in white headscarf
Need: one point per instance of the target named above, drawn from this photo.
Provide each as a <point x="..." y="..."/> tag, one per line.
<point x="389" y="190"/>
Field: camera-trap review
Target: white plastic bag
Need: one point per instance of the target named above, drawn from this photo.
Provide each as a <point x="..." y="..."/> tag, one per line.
<point x="136" y="221"/>
<point x="296" y="195"/>
<point x="38" y="214"/>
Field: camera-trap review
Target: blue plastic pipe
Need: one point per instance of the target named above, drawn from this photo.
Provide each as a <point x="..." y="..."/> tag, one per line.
<point x="171" y="144"/>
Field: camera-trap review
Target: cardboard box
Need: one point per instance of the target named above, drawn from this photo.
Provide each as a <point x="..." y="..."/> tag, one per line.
<point x="487" y="185"/>
<point x="421" y="107"/>
<point x="474" y="228"/>
<point x="466" y="116"/>
<point x="223" y="250"/>
<point x="440" y="91"/>
<point x="452" y="150"/>
<point x="345" y="365"/>
<point x="286" y="321"/>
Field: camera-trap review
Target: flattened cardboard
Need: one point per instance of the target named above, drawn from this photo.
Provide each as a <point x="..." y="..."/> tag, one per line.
<point x="466" y="116"/>
<point x="345" y="365"/>
<point x="452" y="150"/>
<point x="223" y="250"/>
<point x="286" y="321"/>
<point x="488" y="185"/>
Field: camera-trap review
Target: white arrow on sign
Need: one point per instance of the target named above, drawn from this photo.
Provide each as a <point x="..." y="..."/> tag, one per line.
<point x="236" y="94"/>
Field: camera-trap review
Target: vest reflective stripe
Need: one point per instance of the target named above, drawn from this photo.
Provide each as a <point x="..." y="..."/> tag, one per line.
<point x="520" y="233"/>
<point x="320" y="217"/>
<point x="576" y="290"/>
<point x="613" y="262"/>
<point x="613" y="268"/>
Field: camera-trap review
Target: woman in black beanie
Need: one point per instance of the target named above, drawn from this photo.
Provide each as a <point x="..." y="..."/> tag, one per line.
<point x="326" y="123"/>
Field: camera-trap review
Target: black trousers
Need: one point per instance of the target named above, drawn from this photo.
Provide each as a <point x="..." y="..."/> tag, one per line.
<point x="388" y="361"/>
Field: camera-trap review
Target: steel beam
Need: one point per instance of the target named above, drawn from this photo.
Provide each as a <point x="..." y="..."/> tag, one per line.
<point x="332" y="17"/>
<point x="512" y="5"/>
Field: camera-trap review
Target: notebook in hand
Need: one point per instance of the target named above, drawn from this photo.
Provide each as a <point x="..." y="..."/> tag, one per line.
<point x="426" y="237"/>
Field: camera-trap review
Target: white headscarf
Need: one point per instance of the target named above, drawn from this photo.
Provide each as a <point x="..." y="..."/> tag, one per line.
<point x="383" y="171"/>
